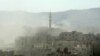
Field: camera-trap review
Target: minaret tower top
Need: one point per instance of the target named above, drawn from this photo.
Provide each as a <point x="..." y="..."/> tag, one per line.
<point x="50" y="20"/>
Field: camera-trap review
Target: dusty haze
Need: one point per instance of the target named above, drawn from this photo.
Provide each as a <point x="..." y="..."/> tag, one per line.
<point x="16" y="23"/>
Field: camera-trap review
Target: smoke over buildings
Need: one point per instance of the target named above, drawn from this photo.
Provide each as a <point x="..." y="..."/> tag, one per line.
<point x="15" y="24"/>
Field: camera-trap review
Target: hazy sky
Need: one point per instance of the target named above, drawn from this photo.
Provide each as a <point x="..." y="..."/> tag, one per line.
<point x="46" y="5"/>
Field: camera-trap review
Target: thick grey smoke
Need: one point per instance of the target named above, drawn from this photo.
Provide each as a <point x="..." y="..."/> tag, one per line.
<point x="14" y="24"/>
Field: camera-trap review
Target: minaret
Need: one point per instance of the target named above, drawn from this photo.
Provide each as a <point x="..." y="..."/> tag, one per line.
<point x="50" y="21"/>
<point x="50" y="25"/>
